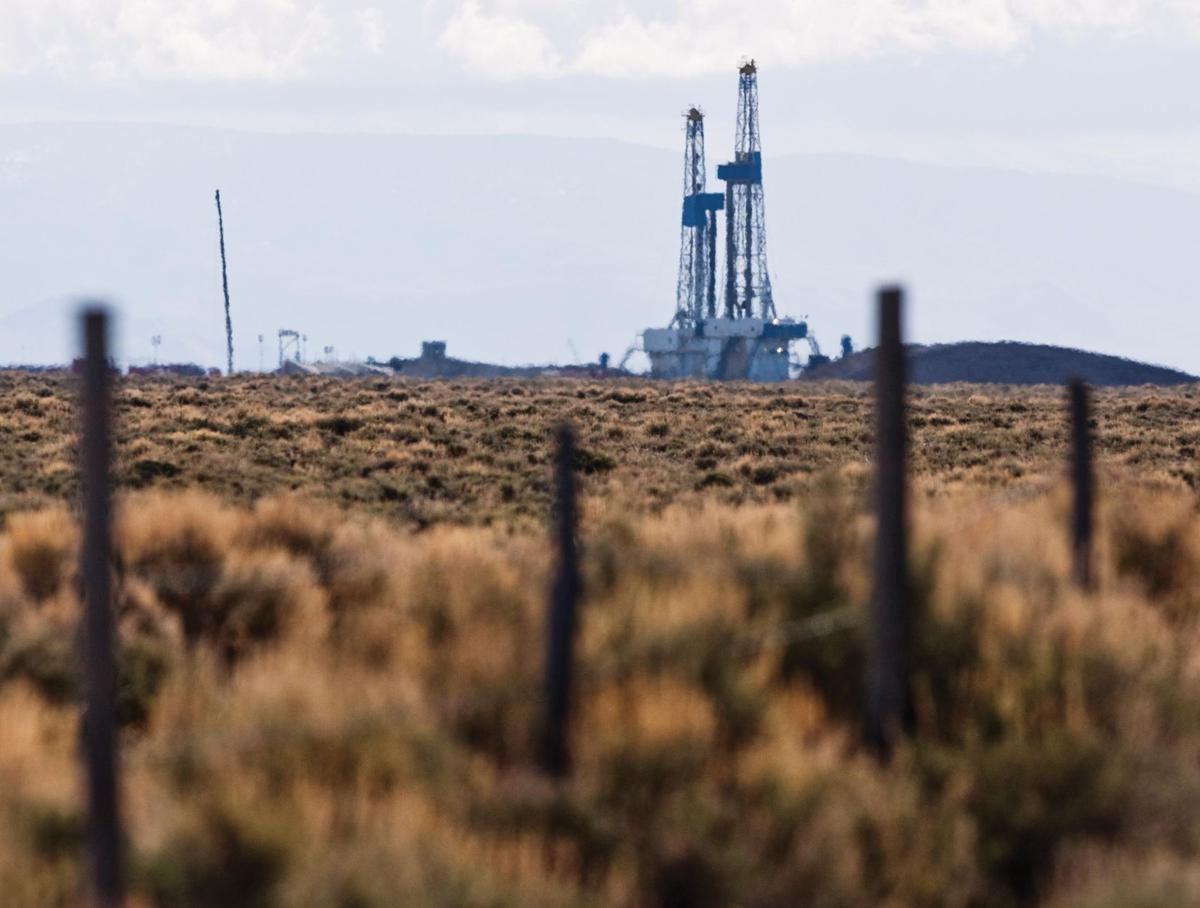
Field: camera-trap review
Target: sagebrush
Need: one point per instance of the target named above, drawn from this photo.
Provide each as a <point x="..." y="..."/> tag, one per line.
<point x="331" y="598"/>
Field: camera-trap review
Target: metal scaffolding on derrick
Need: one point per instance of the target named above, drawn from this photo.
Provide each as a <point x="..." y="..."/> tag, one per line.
<point x="746" y="277"/>
<point x="696" y="293"/>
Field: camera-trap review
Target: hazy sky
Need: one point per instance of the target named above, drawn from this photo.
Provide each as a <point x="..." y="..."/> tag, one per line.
<point x="1079" y="87"/>
<point x="1101" y="86"/>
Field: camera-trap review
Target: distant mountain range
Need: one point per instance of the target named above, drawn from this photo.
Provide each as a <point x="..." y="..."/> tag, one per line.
<point x="522" y="249"/>
<point x="1006" y="364"/>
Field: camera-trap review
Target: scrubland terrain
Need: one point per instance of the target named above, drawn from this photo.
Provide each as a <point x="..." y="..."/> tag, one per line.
<point x="476" y="453"/>
<point x="331" y="597"/>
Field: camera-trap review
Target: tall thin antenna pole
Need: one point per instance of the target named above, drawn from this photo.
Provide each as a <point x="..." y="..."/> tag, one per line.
<point x="225" y="285"/>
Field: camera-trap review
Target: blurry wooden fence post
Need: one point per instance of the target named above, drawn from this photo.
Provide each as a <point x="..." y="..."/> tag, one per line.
<point x="888" y="709"/>
<point x="560" y="626"/>
<point x="100" y="680"/>
<point x="1083" y="484"/>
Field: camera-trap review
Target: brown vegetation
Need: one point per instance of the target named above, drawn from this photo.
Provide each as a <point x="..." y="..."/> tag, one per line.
<point x="324" y="707"/>
<point x="477" y="452"/>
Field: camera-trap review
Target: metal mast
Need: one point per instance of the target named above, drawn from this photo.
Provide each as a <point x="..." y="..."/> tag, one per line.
<point x="696" y="296"/>
<point x="746" y="276"/>
<point x="225" y="286"/>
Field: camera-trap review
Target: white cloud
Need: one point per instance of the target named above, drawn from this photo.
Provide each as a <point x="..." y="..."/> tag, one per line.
<point x="181" y="39"/>
<point x="374" y="29"/>
<point x="280" y="40"/>
<point x="498" y="45"/>
<point x="823" y="30"/>
<point x="528" y="38"/>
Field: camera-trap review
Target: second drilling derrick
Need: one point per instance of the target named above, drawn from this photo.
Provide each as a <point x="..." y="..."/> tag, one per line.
<point x="746" y="277"/>
<point x="696" y="296"/>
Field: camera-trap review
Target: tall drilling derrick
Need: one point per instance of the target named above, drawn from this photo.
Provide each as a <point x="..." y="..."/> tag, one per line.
<point x="746" y="278"/>
<point x="696" y="293"/>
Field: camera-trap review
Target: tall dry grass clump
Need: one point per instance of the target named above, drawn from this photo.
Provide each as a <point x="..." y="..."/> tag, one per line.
<point x="320" y="710"/>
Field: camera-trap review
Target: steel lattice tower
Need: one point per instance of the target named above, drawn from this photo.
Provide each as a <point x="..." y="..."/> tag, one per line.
<point x="746" y="275"/>
<point x="696" y="293"/>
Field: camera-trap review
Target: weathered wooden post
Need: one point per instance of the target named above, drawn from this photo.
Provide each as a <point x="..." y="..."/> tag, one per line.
<point x="100" y="674"/>
<point x="1083" y="483"/>
<point x="561" y="621"/>
<point x="888" y="708"/>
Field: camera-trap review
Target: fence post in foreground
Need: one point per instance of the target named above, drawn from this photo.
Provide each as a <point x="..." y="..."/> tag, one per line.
<point x="1083" y="484"/>
<point x="560" y="625"/>
<point x="100" y="681"/>
<point x="888" y="709"/>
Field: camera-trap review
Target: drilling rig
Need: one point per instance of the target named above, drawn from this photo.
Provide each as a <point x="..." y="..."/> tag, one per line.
<point x="696" y="293"/>
<point x="746" y="275"/>
<point x="747" y="340"/>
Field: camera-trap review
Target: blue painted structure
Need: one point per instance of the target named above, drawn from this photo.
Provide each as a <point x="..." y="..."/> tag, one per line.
<point x="788" y="331"/>
<point x="746" y="172"/>
<point x="696" y="208"/>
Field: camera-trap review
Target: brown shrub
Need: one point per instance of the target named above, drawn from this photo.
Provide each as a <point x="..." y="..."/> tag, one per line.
<point x="41" y="550"/>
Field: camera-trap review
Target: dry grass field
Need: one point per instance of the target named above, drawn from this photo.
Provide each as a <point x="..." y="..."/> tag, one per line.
<point x="331" y="597"/>
<point x="474" y="453"/>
